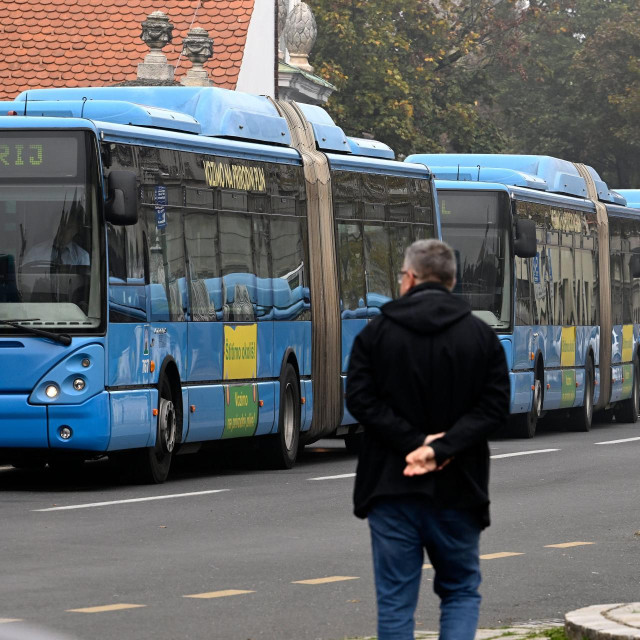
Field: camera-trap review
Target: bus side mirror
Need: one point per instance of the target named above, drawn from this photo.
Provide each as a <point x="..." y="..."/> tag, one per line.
<point x="122" y="203"/>
<point x="525" y="245"/>
<point x="634" y="264"/>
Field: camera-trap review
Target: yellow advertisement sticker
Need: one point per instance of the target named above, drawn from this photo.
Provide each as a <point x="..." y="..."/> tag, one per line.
<point x="240" y="352"/>
<point x="627" y="343"/>
<point x="568" y="358"/>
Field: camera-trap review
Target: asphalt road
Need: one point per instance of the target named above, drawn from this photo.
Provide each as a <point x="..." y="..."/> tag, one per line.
<point x="223" y="551"/>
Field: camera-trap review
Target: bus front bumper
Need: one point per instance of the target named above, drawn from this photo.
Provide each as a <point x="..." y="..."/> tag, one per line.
<point x="28" y="426"/>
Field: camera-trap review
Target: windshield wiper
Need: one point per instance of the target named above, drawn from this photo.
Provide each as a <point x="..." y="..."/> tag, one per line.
<point x="62" y="338"/>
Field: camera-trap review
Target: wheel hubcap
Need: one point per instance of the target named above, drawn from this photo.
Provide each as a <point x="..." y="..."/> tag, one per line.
<point x="288" y="422"/>
<point x="167" y="425"/>
<point x="537" y="399"/>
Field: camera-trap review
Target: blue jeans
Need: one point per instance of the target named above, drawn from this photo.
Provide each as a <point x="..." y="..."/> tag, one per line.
<point x="401" y="528"/>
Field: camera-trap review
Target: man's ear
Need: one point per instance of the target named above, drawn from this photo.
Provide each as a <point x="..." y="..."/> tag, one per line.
<point x="451" y="285"/>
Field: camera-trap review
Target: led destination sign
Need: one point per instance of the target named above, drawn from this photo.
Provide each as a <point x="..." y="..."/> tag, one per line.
<point x="38" y="156"/>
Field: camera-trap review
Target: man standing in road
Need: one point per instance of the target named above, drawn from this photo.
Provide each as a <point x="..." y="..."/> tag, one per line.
<point x="428" y="381"/>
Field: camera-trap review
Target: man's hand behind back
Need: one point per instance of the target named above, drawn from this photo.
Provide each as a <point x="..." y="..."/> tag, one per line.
<point x="423" y="459"/>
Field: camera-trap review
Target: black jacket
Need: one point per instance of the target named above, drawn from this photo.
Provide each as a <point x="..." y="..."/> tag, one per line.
<point x="427" y="365"/>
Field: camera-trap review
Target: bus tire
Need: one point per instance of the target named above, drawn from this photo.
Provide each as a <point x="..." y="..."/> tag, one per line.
<point x="281" y="448"/>
<point x="155" y="462"/>
<point x="523" y="425"/>
<point x="581" y="418"/>
<point x="627" y="410"/>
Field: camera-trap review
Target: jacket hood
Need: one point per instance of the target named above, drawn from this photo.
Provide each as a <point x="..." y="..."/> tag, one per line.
<point x="427" y="308"/>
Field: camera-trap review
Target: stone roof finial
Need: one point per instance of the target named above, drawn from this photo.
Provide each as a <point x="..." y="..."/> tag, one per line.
<point x="283" y="10"/>
<point x="300" y="35"/>
<point x="198" y="48"/>
<point x="156" y="33"/>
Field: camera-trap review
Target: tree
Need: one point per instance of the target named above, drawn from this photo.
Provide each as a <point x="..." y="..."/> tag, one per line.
<point x="570" y="87"/>
<point x="405" y="70"/>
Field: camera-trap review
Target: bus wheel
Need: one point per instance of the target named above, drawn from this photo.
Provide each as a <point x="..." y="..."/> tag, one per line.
<point x="581" y="418"/>
<point x="523" y="425"/>
<point x="627" y="410"/>
<point x="282" y="447"/>
<point x="155" y="461"/>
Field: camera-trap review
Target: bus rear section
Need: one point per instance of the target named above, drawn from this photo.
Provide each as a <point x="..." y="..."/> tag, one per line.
<point x="552" y="271"/>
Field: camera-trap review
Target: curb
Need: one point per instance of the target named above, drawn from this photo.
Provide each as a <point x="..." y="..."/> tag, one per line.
<point x="604" y="622"/>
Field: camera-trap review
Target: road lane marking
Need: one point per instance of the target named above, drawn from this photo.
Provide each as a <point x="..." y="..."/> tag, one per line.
<point x="218" y="594"/>
<point x="617" y="441"/>
<point x="326" y="580"/>
<point x="487" y="556"/>
<point x="502" y="554"/>
<point x="522" y="453"/>
<point x="107" y="607"/>
<point x="8" y="620"/>
<point x="343" y="475"/>
<point x="131" y="500"/>
<point x="566" y="545"/>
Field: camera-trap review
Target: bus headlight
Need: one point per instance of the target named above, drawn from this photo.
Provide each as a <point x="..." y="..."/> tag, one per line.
<point x="52" y="391"/>
<point x="79" y="384"/>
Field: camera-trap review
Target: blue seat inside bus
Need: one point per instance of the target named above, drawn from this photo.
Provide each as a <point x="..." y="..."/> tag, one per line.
<point x="271" y="298"/>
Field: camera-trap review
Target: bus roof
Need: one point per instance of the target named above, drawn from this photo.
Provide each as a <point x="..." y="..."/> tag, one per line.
<point x="200" y="111"/>
<point x="520" y="193"/>
<point x="541" y="173"/>
<point x="632" y="196"/>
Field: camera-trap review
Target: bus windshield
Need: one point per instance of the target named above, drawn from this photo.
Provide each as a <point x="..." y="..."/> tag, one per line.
<point x="50" y="262"/>
<point x="476" y="225"/>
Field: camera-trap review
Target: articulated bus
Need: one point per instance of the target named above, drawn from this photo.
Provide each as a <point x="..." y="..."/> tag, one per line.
<point x="180" y="265"/>
<point x="549" y="257"/>
<point x="632" y="196"/>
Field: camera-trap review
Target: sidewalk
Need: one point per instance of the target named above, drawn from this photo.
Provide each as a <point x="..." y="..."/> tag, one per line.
<point x="549" y="629"/>
<point x="519" y="632"/>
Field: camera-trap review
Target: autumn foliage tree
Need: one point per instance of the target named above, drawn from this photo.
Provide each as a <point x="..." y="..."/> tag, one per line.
<point x="571" y="86"/>
<point x="557" y="77"/>
<point x="405" y="69"/>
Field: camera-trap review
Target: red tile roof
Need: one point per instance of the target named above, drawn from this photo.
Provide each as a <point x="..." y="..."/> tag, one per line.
<point x="70" y="43"/>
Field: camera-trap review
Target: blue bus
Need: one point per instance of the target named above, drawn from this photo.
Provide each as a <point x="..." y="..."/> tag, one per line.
<point x="549" y="257"/>
<point x="632" y="196"/>
<point x="180" y="265"/>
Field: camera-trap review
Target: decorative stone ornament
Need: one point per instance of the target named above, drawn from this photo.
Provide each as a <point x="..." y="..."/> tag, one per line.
<point x="283" y="10"/>
<point x="198" y="48"/>
<point x="300" y="35"/>
<point x="157" y="32"/>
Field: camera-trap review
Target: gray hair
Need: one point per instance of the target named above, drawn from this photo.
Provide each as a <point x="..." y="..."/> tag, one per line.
<point x="431" y="260"/>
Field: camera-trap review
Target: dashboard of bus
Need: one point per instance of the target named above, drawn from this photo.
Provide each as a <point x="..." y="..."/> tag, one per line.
<point x="50" y="249"/>
<point x="476" y="224"/>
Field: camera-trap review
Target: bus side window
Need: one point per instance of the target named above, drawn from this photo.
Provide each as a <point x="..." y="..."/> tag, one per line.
<point x="201" y="238"/>
<point x="379" y="276"/>
<point x="615" y="246"/>
<point x="127" y="294"/>
<point x="374" y="196"/>
<point x="400" y="238"/>
<point x="166" y="265"/>
<point x="523" y="292"/>
<point x="351" y="268"/>
<point x="346" y="195"/>
<point x="287" y="251"/>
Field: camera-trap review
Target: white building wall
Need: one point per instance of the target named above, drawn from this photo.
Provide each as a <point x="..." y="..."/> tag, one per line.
<point x="257" y="74"/>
